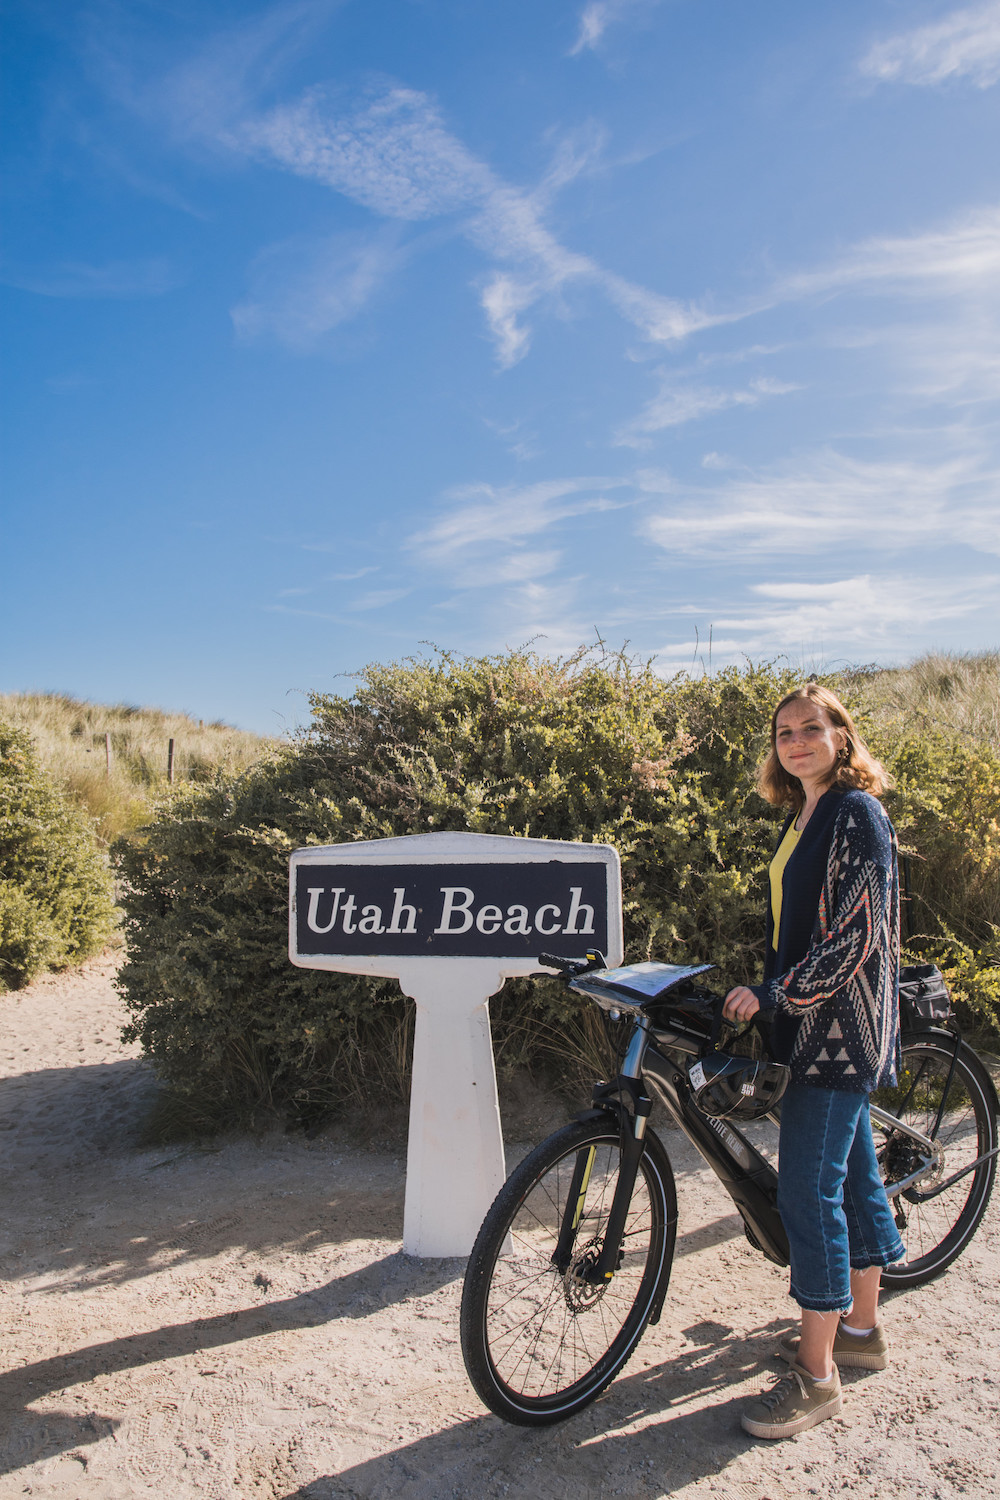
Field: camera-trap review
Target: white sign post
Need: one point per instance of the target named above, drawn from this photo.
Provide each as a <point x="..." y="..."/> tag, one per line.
<point x="451" y="916"/>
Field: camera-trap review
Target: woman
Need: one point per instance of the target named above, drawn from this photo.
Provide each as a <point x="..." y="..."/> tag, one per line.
<point x="831" y="979"/>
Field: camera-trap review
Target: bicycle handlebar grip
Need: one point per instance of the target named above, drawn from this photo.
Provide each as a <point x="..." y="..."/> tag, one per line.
<point x="564" y="965"/>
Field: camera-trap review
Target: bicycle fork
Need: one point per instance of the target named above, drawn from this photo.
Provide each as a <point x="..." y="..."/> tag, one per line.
<point x="632" y="1125"/>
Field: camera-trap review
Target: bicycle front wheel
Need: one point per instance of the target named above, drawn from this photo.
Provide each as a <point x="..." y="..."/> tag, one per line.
<point x="540" y="1340"/>
<point x="952" y="1106"/>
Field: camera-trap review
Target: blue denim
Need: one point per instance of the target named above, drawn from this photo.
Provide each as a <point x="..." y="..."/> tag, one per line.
<point x="830" y="1195"/>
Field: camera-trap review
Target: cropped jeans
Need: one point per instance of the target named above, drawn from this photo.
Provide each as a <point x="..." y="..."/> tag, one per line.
<point x="830" y="1195"/>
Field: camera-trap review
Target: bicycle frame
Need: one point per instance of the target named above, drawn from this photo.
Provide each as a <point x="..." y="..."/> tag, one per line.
<point x="655" y="1066"/>
<point x="748" y="1177"/>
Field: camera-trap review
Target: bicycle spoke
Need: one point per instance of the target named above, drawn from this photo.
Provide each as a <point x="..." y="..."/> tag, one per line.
<point x="549" y="1330"/>
<point x="939" y="1096"/>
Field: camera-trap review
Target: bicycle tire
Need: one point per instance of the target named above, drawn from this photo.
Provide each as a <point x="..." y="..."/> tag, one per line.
<point x="538" y="1344"/>
<point x="964" y="1126"/>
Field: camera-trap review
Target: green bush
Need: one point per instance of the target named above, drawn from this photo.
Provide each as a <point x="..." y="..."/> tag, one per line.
<point x="581" y="749"/>
<point x="946" y="809"/>
<point x="589" y="748"/>
<point x="56" y="904"/>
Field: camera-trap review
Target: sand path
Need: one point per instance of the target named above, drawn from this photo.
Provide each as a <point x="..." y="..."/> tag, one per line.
<point x="240" y="1322"/>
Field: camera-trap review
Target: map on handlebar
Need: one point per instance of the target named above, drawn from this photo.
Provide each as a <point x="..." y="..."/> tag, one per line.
<point x="635" y="984"/>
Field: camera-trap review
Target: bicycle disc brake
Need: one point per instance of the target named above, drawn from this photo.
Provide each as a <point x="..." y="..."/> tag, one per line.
<point x="580" y="1290"/>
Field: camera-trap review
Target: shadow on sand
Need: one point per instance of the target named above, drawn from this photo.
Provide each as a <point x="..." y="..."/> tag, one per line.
<point x="34" y="1435"/>
<point x="687" y="1434"/>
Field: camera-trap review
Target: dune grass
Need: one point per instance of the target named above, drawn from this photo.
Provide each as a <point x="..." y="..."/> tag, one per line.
<point x="70" y="736"/>
<point x="944" y="692"/>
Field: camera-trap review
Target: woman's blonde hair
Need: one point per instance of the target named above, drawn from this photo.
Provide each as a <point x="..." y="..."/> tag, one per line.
<point x="856" y="766"/>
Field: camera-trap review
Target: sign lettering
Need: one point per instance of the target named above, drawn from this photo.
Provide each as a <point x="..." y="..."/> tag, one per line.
<point x="482" y="910"/>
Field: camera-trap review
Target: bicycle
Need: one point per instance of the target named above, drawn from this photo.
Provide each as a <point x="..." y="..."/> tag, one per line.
<point x="573" y="1259"/>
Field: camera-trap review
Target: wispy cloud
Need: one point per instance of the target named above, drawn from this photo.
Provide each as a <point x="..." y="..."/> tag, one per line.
<point x="378" y="599"/>
<point x="486" y="516"/>
<point x="810" y="507"/>
<point x="392" y="154"/>
<point x="598" y="15"/>
<point x="679" y="401"/>
<point x="965" y="44"/>
<point x="388" y="148"/>
<point x="114" y="279"/>
<point x="351" y="577"/>
<point x="201" y="98"/>
<point x="853" y="616"/>
<point x="963" y="255"/>
<point x="301" y="290"/>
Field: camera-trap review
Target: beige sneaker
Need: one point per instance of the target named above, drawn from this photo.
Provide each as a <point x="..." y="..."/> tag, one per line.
<point x="793" y="1404"/>
<point x="849" y="1352"/>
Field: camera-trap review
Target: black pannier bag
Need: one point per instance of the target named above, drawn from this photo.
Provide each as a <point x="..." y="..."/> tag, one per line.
<point x="923" y="997"/>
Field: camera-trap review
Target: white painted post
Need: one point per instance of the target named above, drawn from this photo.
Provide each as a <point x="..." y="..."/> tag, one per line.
<point x="455" y="1160"/>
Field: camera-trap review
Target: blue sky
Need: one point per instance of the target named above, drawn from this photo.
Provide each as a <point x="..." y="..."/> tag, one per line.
<point x="336" y="327"/>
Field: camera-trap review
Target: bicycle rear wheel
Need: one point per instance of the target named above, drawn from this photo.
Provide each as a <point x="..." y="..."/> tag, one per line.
<point x="539" y="1342"/>
<point x="954" y="1108"/>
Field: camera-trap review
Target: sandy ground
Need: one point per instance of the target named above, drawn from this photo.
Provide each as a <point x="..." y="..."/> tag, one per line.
<point x="241" y="1321"/>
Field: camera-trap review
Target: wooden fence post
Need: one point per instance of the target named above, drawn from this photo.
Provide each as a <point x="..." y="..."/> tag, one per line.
<point x="170" y="761"/>
<point x="107" y="751"/>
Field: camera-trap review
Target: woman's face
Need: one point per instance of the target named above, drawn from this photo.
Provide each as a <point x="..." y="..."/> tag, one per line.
<point x="807" y="741"/>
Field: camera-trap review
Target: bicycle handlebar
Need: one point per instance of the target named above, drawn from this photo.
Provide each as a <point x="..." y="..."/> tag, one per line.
<point x="571" y="966"/>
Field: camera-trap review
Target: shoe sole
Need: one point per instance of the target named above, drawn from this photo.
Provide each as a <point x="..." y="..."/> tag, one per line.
<point x="843" y="1359"/>
<point x="789" y="1429"/>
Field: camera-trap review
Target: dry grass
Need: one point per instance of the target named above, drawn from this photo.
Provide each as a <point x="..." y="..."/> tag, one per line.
<point x="70" y="736"/>
<point x="945" y="692"/>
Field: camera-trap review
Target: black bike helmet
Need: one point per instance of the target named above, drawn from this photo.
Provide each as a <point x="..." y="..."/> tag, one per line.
<point x="736" y="1088"/>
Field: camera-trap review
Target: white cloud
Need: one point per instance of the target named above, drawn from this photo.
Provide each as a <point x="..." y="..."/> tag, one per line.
<point x="869" y="611"/>
<point x="965" y="44"/>
<point x="378" y="599"/>
<point x="961" y="256"/>
<point x="815" y="622"/>
<point x="597" y="16"/>
<point x="391" y="151"/>
<point x="393" y="154"/>
<point x="488" y="517"/>
<point x="503" y="300"/>
<point x="678" y="402"/>
<point x="350" y="577"/>
<point x="201" y="98"/>
<point x="303" y="289"/>
<point x="816" y="506"/>
<point x="954" y="361"/>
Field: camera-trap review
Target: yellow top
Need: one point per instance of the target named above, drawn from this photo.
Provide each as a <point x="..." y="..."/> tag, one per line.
<point x="782" y="855"/>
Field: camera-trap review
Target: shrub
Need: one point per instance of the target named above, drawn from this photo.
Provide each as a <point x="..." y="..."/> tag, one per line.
<point x="580" y="749"/>
<point x="56" y="904"/>
<point x="591" y="748"/>
<point x="946" y="808"/>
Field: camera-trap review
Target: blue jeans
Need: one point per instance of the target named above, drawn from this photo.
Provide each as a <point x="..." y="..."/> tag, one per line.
<point x="830" y="1195"/>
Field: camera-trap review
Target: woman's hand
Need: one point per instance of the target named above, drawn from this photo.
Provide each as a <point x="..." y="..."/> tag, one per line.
<point x="740" y="1004"/>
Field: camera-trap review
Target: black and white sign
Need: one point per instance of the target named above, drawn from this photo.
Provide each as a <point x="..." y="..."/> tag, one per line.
<point x="451" y="916"/>
<point x="451" y="910"/>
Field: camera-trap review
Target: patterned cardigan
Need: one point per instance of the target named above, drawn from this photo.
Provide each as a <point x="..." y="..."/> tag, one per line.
<point x="833" y="983"/>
